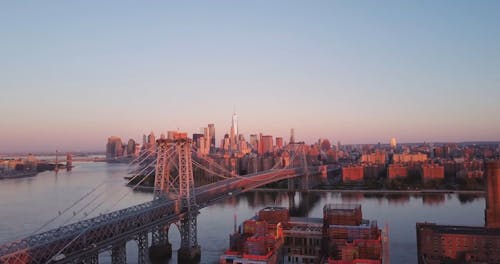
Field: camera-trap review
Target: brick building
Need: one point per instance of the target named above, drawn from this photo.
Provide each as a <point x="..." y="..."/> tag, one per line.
<point x="352" y="173"/>
<point x="465" y="244"/>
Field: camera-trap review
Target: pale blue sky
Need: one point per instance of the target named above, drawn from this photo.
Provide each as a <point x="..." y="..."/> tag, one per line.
<point x="73" y="73"/>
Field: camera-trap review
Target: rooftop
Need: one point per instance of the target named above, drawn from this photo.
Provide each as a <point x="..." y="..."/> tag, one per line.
<point x="460" y="230"/>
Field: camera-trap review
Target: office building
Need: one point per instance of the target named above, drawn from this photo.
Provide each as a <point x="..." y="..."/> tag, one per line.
<point x="211" y="133"/>
<point x="267" y="144"/>
<point x="279" y="142"/>
<point x="114" y="148"/>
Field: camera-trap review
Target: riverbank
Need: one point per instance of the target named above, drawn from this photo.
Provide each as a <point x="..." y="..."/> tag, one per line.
<point x="150" y="189"/>
<point x="14" y="175"/>
<point x="379" y="191"/>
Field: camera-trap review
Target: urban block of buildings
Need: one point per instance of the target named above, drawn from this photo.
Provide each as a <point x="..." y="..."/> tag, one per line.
<point x="465" y="244"/>
<point x="342" y="236"/>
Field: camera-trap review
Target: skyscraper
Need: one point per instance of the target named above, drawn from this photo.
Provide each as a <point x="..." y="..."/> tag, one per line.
<point x="235" y="124"/>
<point x="131" y="148"/>
<point x="151" y="141"/>
<point x="292" y="136"/>
<point x="233" y="138"/>
<point x="279" y="142"/>
<point x="254" y="142"/>
<point x="211" y="133"/>
<point x="267" y="144"/>
<point x="114" y="148"/>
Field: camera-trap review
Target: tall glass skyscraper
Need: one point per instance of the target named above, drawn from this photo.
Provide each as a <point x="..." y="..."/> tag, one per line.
<point x="235" y="124"/>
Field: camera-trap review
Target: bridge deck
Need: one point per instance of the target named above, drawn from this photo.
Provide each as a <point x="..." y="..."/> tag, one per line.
<point x="98" y="231"/>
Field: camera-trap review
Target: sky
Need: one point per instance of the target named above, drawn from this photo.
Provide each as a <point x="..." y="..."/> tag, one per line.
<point x="73" y="73"/>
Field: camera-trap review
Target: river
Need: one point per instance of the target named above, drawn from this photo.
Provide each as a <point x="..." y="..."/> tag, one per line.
<point x="26" y="204"/>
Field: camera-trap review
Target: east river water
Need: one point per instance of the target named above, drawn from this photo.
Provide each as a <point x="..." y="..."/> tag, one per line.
<point x="26" y="204"/>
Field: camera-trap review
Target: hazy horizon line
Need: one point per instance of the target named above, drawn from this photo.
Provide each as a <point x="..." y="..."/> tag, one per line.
<point x="103" y="151"/>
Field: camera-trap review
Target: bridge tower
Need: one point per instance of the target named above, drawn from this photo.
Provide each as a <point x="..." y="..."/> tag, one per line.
<point x="161" y="248"/>
<point x="303" y="183"/>
<point x="190" y="250"/>
<point x="181" y="188"/>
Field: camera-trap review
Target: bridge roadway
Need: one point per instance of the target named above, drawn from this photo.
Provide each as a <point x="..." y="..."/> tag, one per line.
<point x="98" y="234"/>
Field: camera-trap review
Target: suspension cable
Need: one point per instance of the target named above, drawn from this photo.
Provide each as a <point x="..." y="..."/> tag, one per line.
<point x="68" y="208"/>
<point x="93" y="209"/>
<point x="214" y="163"/>
<point x="169" y="152"/>
<point x="144" y="158"/>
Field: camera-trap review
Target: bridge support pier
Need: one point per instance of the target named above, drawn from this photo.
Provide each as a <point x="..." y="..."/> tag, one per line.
<point x="291" y="199"/>
<point x="119" y="253"/>
<point x="160" y="248"/>
<point x="190" y="251"/>
<point x="142" y="246"/>
<point x="189" y="255"/>
<point x="291" y="185"/>
<point x="92" y="258"/>
<point x="304" y="183"/>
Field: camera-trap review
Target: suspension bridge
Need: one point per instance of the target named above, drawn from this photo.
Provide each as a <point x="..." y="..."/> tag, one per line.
<point x="176" y="200"/>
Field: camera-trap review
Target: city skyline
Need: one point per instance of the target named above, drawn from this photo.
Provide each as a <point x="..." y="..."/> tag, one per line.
<point x="73" y="74"/>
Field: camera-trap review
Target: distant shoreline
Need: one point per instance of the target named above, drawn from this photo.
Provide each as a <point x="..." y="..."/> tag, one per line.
<point x="18" y="175"/>
<point x="381" y="191"/>
<point x="150" y="189"/>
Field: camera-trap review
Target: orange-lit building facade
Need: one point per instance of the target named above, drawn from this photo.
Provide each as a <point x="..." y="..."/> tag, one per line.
<point x="409" y="158"/>
<point x="397" y="171"/>
<point x="351" y="239"/>
<point x="465" y="244"/>
<point x="378" y="157"/>
<point x="438" y="244"/>
<point x="341" y="237"/>
<point x="266" y="144"/>
<point x="352" y="173"/>
<point x="432" y="172"/>
<point x="257" y="241"/>
<point x="279" y="142"/>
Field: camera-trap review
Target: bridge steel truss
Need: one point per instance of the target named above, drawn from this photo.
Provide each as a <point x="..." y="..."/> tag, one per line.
<point x="81" y="242"/>
<point x="181" y="187"/>
<point x="298" y="151"/>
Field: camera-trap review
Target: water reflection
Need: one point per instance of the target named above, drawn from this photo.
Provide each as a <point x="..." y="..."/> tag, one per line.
<point x="27" y="203"/>
<point x="433" y="199"/>
<point x="464" y="243"/>
<point x="300" y="203"/>
<point x="465" y="198"/>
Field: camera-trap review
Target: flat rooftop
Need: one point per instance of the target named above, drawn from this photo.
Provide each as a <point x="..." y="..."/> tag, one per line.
<point x="273" y="208"/>
<point x="342" y="206"/>
<point x="364" y="224"/>
<point x="306" y="221"/>
<point x="460" y="230"/>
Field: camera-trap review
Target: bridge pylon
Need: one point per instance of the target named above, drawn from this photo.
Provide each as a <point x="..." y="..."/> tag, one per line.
<point x="178" y="186"/>
<point x="190" y="250"/>
<point x="161" y="248"/>
<point x="303" y="183"/>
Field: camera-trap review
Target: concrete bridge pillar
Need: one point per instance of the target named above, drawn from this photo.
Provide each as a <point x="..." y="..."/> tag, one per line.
<point x="142" y="246"/>
<point x="160" y="248"/>
<point x="119" y="253"/>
